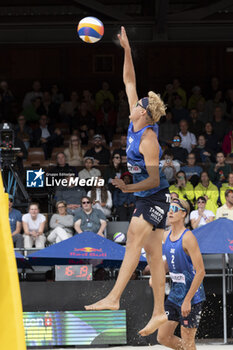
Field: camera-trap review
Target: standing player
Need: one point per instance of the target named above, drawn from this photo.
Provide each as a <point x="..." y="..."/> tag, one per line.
<point x="185" y="265"/>
<point x="151" y="187"/>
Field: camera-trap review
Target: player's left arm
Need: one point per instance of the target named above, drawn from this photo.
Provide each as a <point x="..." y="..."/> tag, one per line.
<point x="149" y="147"/>
<point x="191" y="247"/>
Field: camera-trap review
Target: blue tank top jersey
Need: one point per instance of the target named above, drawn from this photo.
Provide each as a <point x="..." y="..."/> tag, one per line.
<point x="136" y="163"/>
<point x="181" y="272"/>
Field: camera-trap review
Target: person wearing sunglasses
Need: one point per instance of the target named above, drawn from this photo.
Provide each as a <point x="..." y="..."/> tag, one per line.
<point x="186" y="268"/>
<point x="89" y="219"/>
<point x="114" y="169"/>
<point x="179" y="153"/>
<point x="122" y="147"/>
<point x="151" y="190"/>
<point x="201" y="216"/>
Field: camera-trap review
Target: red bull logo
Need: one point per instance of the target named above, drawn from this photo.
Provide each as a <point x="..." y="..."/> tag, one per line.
<point x="88" y="250"/>
<point x="230" y="244"/>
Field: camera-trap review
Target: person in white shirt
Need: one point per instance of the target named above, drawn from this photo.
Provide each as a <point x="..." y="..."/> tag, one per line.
<point x="33" y="227"/>
<point x="201" y="216"/>
<point x="226" y="210"/>
<point x="88" y="172"/>
<point x="101" y="199"/>
<point x="188" y="139"/>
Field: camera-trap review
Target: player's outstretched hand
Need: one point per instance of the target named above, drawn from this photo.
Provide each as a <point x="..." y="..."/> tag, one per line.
<point x="118" y="183"/>
<point x="123" y="38"/>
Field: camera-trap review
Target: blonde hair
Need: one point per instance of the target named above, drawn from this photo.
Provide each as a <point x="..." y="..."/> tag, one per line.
<point x="183" y="204"/>
<point x="156" y="106"/>
<point x="79" y="147"/>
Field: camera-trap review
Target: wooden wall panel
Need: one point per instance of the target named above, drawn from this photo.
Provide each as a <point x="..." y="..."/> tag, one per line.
<point x="5" y="64"/>
<point x="228" y="69"/>
<point x="72" y="65"/>
<point x="25" y="63"/>
<point x="49" y="63"/>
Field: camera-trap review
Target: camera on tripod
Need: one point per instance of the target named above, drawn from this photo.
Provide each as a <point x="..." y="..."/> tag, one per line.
<point x="7" y="142"/>
<point x="8" y="163"/>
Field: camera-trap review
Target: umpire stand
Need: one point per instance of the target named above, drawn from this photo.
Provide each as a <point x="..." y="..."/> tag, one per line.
<point x="11" y="176"/>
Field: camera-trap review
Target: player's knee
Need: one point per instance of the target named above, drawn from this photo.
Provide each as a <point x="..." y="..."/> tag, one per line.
<point x="133" y="239"/>
<point x="153" y="254"/>
<point x="130" y="236"/>
<point x="149" y="251"/>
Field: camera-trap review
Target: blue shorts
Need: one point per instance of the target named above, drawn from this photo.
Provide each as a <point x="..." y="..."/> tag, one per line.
<point x="154" y="208"/>
<point x="173" y="312"/>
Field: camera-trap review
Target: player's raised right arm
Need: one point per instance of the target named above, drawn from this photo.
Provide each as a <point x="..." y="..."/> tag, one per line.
<point x="129" y="77"/>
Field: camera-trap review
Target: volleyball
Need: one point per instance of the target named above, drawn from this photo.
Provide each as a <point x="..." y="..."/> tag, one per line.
<point x="119" y="237"/>
<point x="90" y="29"/>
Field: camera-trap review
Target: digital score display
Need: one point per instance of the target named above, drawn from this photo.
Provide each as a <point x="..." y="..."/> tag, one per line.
<point x="73" y="273"/>
<point x="54" y="328"/>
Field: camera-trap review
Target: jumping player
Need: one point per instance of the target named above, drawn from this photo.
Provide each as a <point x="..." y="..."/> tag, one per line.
<point x="151" y="188"/>
<point x="185" y="265"/>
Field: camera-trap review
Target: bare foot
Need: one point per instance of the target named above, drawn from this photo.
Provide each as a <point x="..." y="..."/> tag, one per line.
<point x="104" y="304"/>
<point x="154" y="323"/>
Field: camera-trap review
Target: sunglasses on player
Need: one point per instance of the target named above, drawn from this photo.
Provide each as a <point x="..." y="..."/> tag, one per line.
<point x="175" y="209"/>
<point x="146" y="109"/>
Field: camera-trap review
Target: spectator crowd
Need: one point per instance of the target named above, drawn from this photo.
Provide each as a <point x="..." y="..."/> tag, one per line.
<point x="88" y="133"/>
